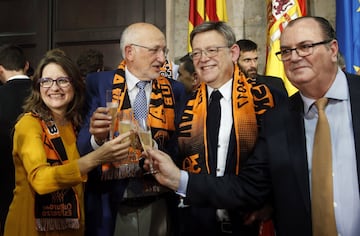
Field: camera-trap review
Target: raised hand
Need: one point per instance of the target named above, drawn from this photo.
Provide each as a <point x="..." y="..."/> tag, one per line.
<point x="100" y="124"/>
<point x="168" y="174"/>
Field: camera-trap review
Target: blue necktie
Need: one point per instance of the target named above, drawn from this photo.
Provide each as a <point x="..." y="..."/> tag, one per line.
<point x="140" y="103"/>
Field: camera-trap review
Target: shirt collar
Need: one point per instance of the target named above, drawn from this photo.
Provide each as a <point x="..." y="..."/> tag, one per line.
<point x="131" y="80"/>
<point x="225" y="90"/>
<point x="339" y="90"/>
<point x="18" y="77"/>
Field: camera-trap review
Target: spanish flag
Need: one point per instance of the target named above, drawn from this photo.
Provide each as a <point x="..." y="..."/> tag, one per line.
<point x="279" y="14"/>
<point x="206" y="10"/>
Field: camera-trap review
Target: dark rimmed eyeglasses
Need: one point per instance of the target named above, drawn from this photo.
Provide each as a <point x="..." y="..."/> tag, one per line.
<point x="302" y="50"/>
<point x="62" y="82"/>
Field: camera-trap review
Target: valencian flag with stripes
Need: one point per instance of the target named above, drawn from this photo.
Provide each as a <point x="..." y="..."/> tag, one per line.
<point x="348" y="32"/>
<point x="206" y="10"/>
<point x="280" y="12"/>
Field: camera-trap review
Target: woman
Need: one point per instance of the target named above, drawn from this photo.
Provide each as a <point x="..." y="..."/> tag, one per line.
<point x="48" y="196"/>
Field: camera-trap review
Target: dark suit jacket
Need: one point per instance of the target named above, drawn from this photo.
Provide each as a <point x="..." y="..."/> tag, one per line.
<point x="273" y="82"/>
<point x="12" y="96"/>
<point x="277" y="170"/>
<point x="100" y="214"/>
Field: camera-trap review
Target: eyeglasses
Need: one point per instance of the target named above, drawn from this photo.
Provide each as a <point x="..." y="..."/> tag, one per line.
<point x="154" y="51"/>
<point x="302" y="50"/>
<point x="62" y="82"/>
<point x="209" y="52"/>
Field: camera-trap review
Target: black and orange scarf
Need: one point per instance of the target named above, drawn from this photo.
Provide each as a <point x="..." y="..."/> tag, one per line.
<point x="161" y="117"/>
<point x="249" y="103"/>
<point x="58" y="210"/>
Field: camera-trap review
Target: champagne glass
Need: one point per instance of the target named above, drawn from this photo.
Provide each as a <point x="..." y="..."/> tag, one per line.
<point x="112" y="104"/>
<point x="126" y="123"/>
<point x="144" y="132"/>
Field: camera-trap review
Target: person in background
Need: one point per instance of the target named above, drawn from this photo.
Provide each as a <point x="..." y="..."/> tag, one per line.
<point x="49" y="173"/>
<point x="30" y="71"/>
<point x="187" y="74"/>
<point x="129" y="204"/>
<point x="282" y="167"/>
<point x="89" y="61"/>
<point x="218" y="141"/>
<point x="16" y="88"/>
<point x="248" y="64"/>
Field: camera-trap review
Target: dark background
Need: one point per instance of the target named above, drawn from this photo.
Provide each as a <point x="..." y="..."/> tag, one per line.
<point x="74" y="25"/>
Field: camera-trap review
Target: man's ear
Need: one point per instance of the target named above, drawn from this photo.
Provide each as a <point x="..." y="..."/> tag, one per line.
<point x="235" y="50"/>
<point x="26" y="67"/>
<point x="129" y="52"/>
<point x="196" y="80"/>
<point x="2" y="78"/>
<point x="2" y="70"/>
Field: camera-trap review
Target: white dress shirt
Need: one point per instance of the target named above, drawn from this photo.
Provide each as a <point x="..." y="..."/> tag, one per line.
<point x="226" y="122"/>
<point x="345" y="180"/>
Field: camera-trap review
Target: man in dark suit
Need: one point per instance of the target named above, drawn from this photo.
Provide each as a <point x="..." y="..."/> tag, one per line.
<point x="16" y="88"/>
<point x="248" y="64"/>
<point x="136" y="202"/>
<point x="281" y="168"/>
<point x="201" y="148"/>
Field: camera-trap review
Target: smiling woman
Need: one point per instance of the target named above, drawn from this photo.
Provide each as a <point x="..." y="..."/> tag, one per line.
<point x="49" y="172"/>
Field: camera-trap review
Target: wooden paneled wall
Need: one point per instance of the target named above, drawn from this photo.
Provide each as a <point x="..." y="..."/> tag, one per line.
<point x="74" y="26"/>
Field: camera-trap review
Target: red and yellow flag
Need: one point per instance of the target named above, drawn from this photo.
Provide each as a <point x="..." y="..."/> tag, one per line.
<point x="206" y="10"/>
<point x="280" y="12"/>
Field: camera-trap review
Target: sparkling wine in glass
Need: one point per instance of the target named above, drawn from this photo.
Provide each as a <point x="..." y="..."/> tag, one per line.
<point x="144" y="132"/>
<point x="127" y="123"/>
<point x="113" y="105"/>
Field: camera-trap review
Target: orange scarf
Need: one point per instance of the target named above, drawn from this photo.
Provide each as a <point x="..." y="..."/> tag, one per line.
<point x="58" y="210"/>
<point x="249" y="102"/>
<point x="161" y="119"/>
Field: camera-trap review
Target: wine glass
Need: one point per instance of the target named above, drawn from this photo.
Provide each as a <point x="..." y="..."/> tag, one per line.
<point x="113" y="105"/>
<point x="144" y="133"/>
<point x="126" y="123"/>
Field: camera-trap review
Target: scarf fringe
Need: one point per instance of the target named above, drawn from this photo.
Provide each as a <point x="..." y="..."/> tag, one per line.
<point x="52" y="224"/>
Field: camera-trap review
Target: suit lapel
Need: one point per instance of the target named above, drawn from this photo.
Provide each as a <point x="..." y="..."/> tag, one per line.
<point x="297" y="147"/>
<point x="354" y="90"/>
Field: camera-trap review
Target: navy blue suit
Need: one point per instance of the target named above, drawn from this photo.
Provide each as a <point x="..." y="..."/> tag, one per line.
<point x="101" y="197"/>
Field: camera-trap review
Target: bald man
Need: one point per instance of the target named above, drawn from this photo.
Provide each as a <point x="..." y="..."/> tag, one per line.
<point x="137" y="201"/>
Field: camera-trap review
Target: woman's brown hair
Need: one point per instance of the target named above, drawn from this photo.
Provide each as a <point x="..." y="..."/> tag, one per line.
<point x="35" y="104"/>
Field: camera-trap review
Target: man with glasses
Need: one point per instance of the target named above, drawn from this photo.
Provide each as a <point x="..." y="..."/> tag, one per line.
<point x="285" y="164"/>
<point x="137" y="201"/>
<point x="219" y="126"/>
